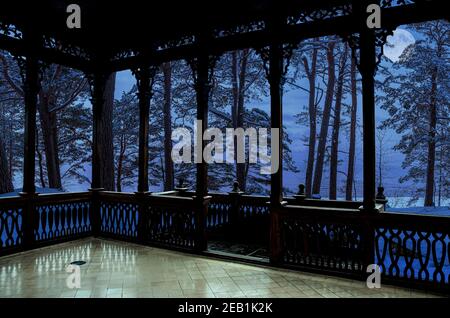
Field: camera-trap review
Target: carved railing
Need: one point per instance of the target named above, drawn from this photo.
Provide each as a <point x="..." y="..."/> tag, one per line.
<point x="32" y="221"/>
<point x="165" y="219"/>
<point x="220" y="211"/>
<point x="319" y="235"/>
<point x="238" y="217"/>
<point x="322" y="239"/>
<point x="61" y="217"/>
<point x="413" y="249"/>
<point x="119" y="215"/>
<point x="174" y="221"/>
<point x="11" y="224"/>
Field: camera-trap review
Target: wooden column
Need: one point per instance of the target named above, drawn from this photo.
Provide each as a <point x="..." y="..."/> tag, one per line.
<point x="144" y="77"/>
<point x="98" y="84"/>
<point x="276" y="118"/>
<point x="31" y="89"/>
<point x="202" y="67"/>
<point x="29" y="68"/>
<point x="202" y="88"/>
<point x="276" y="180"/>
<point x="367" y="69"/>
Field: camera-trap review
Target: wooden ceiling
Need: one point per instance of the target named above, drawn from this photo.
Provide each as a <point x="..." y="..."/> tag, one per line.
<point x="135" y="23"/>
<point x="109" y="28"/>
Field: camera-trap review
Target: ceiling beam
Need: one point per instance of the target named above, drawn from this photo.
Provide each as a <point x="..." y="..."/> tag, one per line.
<point x="391" y="18"/>
<point x="47" y="55"/>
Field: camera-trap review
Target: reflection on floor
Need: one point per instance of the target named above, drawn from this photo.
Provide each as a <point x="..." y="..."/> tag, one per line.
<point x="118" y="269"/>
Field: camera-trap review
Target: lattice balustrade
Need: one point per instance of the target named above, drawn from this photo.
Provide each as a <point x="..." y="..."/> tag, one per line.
<point x="411" y="249"/>
<point x="62" y="220"/>
<point x="409" y="254"/>
<point x="171" y="226"/>
<point x="321" y="243"/>
<point x="119" y="219"/>
<point x="253" y="205"/>
<point x="219" y="210"/>
<point x="11" y="231"/>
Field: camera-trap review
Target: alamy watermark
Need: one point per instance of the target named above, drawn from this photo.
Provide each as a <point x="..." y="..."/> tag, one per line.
<point x="74" y="278"/>
<point x="374" y="279"/>
<point x="228" y="147"/>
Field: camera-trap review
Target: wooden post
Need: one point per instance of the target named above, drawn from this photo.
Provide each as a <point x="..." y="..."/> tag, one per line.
<point x="30" y="76"/>
<point x="202" y="88"/>
<point x="368" y="100"/>
<point x="31" y="89"/>
<point x="276" y="180"/>
<point x="98" y="84"/>
<point x="367" y="67"/>
<point x="144" y="77"/>
<point x="97" y="81"/>
<point x="202" y="67"/>
<point x="276" y="117"/>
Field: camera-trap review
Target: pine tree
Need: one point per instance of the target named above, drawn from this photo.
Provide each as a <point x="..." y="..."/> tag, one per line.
<point x="415" y="92"/>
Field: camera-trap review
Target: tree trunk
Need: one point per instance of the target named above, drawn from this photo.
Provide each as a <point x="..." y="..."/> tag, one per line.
<point x="11" y="151"/>
<point x="168" y="163"/>
<point x="336" y="127"/>
<point x="50" y="139"/>
<point x="311" y="74"/>
<point x="106" y="136"/>
<point x="120" y="163"/>
<point x="352" y="146"/>
<point x="40" y="160"/>
<point x="325" y="120"/>
<point x="429" y="190"/>
<point x="239" y="77"/>
<point x="5" y="177"/>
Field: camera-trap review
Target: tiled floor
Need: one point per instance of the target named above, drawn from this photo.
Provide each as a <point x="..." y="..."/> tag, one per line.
<point x="117" y="269"/>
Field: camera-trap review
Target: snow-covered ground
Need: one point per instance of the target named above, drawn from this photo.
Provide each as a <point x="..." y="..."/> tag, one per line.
<point x="435" y="211"/>
<point x="38" y="190"/>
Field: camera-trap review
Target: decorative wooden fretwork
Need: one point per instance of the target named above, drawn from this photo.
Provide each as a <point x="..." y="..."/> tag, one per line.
<point x="119" y="219"/>
<point x="10" y="30"/>
<point x="380" y="35"/>
<point x="211" y="60"/>
<point x="323" y="245"/>
<point x="171" y="226"/>
<point x="257" y="25"/>
<point x="253" y="206"/>
<point x="62" y="221"/>
<point x="181" y="41"/>
<point x="413" y="255"/>
<point x="66" y="48"/>
<point x="395" y="3"/>
<point x="219" y="210"/>
<point x="286" y="51"/>
<point x="11" y="231"/>
<point x="314" y="15"/>
<point x="145" y="79"/>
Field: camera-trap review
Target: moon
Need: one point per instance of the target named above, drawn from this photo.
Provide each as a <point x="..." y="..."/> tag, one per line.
<point x="397" y="43"/>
